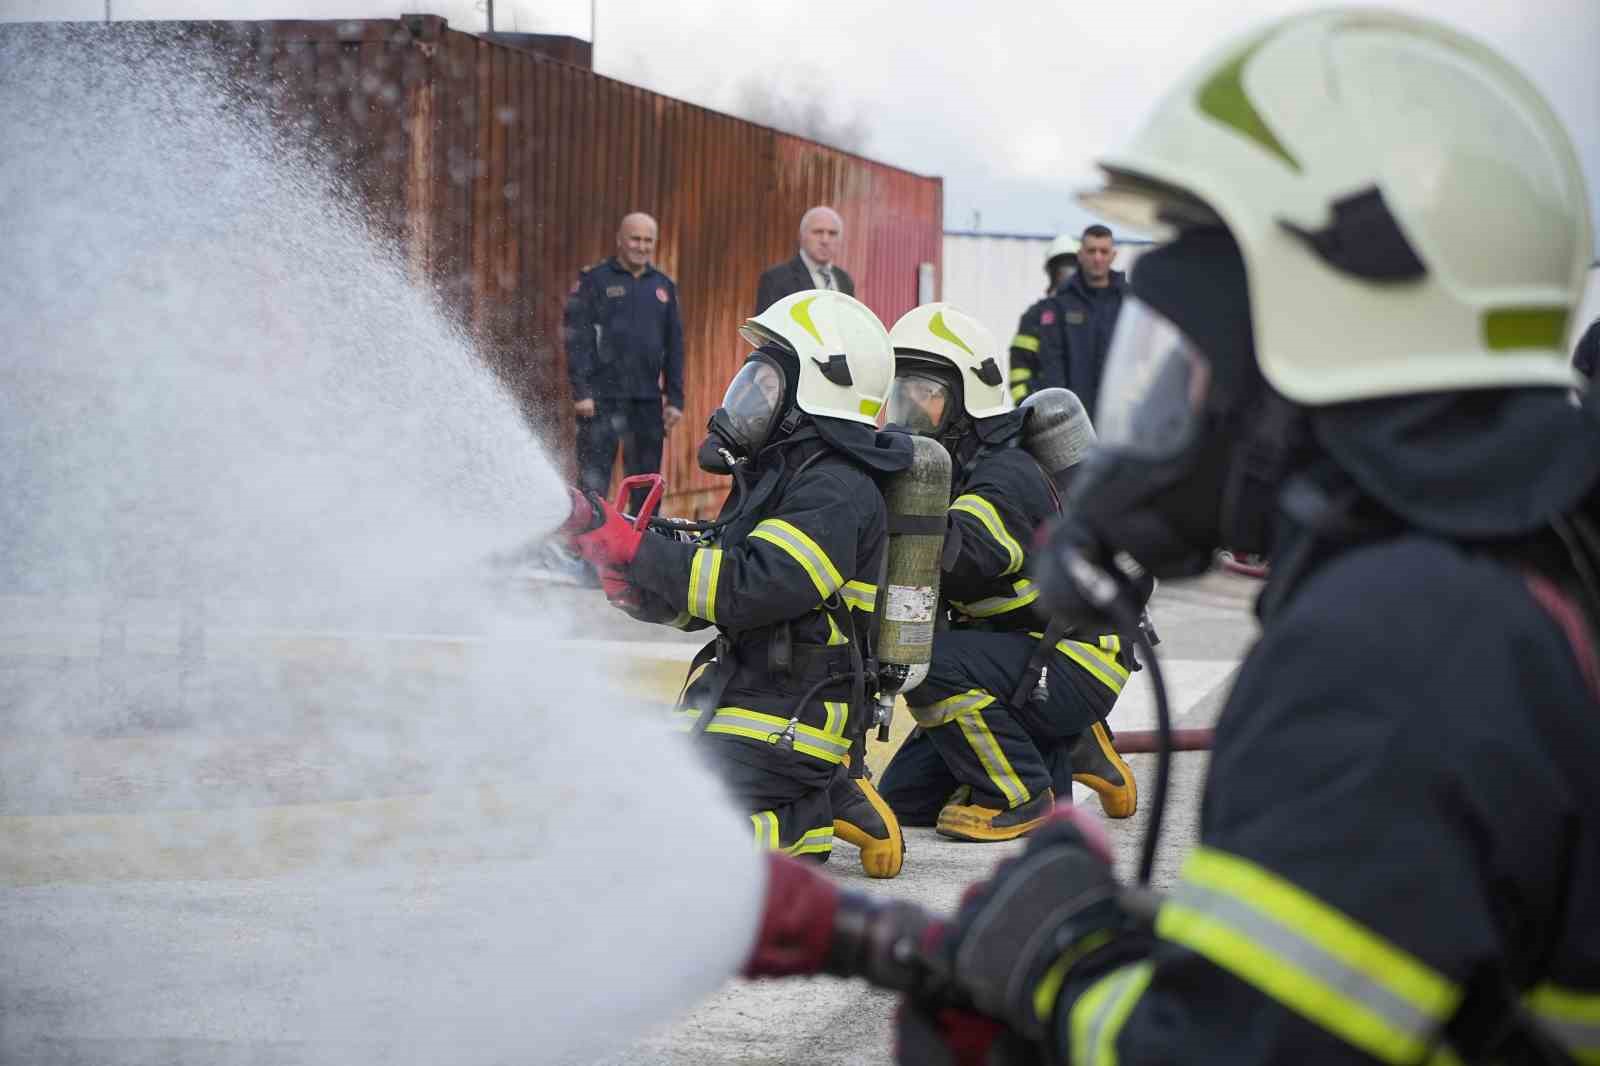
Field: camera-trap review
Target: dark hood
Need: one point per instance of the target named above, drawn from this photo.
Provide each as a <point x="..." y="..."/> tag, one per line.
<point x="883" y="452"/>
<point x="1477" y="464"/>
<point x="997" y="431"/>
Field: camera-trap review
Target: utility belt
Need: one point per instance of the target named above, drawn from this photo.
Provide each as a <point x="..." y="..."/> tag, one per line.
<point x="817" y="667"/>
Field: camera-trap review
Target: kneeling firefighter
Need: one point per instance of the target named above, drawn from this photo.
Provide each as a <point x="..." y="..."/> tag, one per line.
<point x="1399" y="855"/>
<point x="1013" y="707"/>
<point x="789" y="575"/>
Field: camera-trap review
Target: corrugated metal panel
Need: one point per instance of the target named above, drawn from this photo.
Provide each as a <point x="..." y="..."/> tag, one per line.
<point x="996" y="277"/>
<point x="502" y="172"/>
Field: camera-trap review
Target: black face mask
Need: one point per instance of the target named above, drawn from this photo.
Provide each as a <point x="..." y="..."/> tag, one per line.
<point x="752" y="410"/>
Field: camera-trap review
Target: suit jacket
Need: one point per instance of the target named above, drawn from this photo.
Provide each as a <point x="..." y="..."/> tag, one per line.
<point x="792" y="277"/>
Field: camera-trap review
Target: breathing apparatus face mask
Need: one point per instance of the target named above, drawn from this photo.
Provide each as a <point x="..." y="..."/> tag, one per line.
<point x="750" y="408"/>
<point x="922" y="402"/>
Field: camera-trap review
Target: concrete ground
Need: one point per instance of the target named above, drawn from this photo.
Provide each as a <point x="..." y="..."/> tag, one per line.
<point x="1205" y="627"/>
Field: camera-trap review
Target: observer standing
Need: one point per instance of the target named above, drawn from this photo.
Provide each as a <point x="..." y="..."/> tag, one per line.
<point x="813" y="266"/>
<point x="624" y="338"/>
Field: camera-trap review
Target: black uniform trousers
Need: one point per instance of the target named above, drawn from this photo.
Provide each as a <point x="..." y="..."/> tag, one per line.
<point x="1006" y="753"/>
<point x="636" y="425"/>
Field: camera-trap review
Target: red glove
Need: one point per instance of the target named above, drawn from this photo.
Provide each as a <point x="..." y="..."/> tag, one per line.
<point x="796" y="921"/>
<point x="612" y="543"/>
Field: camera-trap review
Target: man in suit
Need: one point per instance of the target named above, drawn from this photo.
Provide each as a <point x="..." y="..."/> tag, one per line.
<point x="821" y="233"/>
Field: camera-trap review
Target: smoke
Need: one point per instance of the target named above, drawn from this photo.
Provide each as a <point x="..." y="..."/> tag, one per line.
<point x="286" y="773"/>
<point x="804" y="103"/>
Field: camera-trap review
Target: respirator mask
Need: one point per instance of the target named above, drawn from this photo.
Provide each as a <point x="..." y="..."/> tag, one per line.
<point x="742" y="425"/>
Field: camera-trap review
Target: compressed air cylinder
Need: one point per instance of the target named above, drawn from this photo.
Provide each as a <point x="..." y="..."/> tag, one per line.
<point x="1057" y="432"/>
<point x="917" y="498"/>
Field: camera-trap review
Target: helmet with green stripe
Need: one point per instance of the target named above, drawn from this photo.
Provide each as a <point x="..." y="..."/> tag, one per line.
<point x="845" y="361"/>
<point x="1411" y="215"/>
<point x="940" y="335"/>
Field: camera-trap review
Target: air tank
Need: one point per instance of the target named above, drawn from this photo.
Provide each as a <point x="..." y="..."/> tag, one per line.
<point x="917" y="499"/>
<point x="1057" y="432"/>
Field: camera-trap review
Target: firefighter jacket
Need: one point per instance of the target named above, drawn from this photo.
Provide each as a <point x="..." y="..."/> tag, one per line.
<point x="1066" y="345"/>
<point x="790" y="586"/>
<point x="1402" y="819"/>
<point x="998" y="506"/>
<point x="624" y="335"/>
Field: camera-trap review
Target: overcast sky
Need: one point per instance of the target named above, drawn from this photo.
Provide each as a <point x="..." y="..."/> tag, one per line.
<point x="1009" y="102"/>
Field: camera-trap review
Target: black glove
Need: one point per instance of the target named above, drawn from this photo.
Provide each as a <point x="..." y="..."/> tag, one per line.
<point x="1045" y="915"/>
<point x="1078" y="577"/>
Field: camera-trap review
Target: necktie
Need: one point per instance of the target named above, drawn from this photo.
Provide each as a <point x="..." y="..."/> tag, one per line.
<point x="827" y="277"/>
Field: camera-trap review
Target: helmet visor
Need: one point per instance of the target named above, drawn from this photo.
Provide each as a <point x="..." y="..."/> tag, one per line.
<point x="919" y="402"/>
<point x="752" y="401"/>
<point x="1155" y="387"/>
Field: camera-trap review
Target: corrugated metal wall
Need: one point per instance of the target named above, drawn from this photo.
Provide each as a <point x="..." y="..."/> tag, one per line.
<point x="996" y="276"/>
<point x="504" y="172"/>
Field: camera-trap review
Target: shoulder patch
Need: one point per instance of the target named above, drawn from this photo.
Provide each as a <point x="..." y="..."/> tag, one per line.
<point x="1047" y="316"/>
<point x="661" y="293"/>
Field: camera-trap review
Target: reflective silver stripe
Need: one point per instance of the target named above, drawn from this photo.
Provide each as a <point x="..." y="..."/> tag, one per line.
<point x="683" y="719"/>
<point x="836" y="717"/>
<point x="765" y="824"/>
<point x="1278" y="959"/>
<point x="1025" y="593"/>
<point x="993" y="757"/>
<point x="1569" y="1016"/>
<point x="933" y="714"/>
<point x="860" y="595"/>
<point x="703" y="574"/>
<point x="804" y="551"/>
<point x="813" y="841"/>
<point x="1097" y="1017"/>
<point x="770" y="729"/>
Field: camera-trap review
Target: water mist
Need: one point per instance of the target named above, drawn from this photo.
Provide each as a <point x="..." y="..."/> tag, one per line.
<point x="285" y="776"/>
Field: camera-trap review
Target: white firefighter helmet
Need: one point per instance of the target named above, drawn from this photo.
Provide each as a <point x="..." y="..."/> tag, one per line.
<point x="951" y="335"/>
<point x="1411" y="213"/>
<point x="1066" y="244"/>
<point x="846" y="363"/>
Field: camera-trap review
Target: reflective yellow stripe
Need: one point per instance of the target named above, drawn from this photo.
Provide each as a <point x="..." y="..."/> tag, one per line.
<point x="1098" y="1015"/>
<point x="1103" y="665"/>
<point x="860" y="595"/>
<point x="1570" y="1016"/>
<point x="1026" y="593"/>
<point x="683" y="719"/>
<point x="1019" y="392"/>
<point x="835" y="637"/>
<point x="838" y="711"/>
<point x="995" y="763"/>
<point x="770" y="729"/>
<point x="703" y="573"/>
<point x="1308" y="956"/>
<point x="682" y="620"/>
<point x="1020" y="373"/>
<point x="765" y="824"/>
<point x="1025" y="342"/>
<point x="985" y="513"/>
<point x="824" y="575"/>
<point x="939" y="713"/>
<point x="812" y="841"/>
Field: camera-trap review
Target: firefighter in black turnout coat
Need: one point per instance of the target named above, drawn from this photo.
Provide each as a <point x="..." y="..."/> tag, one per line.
<point x="1013" y="707"/>
<point x="788" y="577"/>
<point x="1399" y="855"/>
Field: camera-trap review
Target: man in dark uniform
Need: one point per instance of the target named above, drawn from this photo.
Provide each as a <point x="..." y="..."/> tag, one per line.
<point x="624" y="341"/>
<point x="1036" y="331"/>
<point x="1399" y="855"/>
<point x="1013" y="707"/>
<point x="1072" y="349"/>
<point x="788" y="576"/>
<point x="821" y="234"/>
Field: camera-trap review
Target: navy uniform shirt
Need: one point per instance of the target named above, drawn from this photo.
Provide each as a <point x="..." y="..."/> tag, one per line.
<point x="624" y="335"/>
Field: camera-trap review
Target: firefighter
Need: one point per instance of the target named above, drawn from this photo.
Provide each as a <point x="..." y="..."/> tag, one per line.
<point x="1038" y="338"/>
<point x="787" y="576"/>
<point x="1013" y="708"/>
<point x="1399" y="856"/>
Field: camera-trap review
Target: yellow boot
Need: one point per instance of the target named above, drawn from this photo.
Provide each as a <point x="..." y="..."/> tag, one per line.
<point x="1096" y="764"/>
<point x="860" y="817"/>
<point x="969" y="821"/>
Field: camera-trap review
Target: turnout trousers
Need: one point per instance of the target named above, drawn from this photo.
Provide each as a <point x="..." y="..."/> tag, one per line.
<point x="971" y="734"/>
